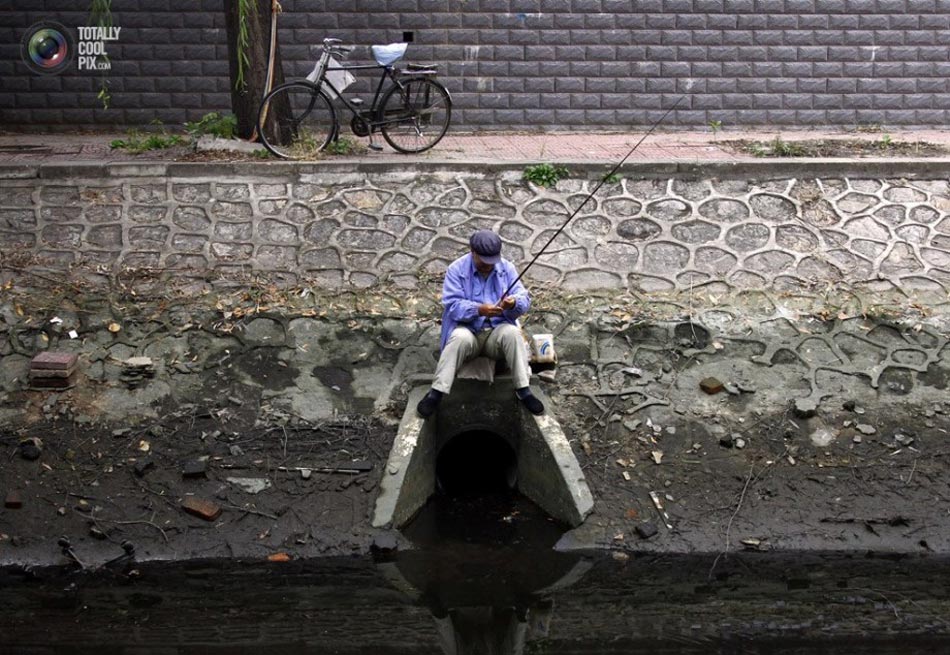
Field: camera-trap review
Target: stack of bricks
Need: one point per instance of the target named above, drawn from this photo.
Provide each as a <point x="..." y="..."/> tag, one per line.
<point x="53" y="370"/>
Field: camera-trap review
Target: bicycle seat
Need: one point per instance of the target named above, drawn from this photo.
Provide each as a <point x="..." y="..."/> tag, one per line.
<point x="387" y="55"/>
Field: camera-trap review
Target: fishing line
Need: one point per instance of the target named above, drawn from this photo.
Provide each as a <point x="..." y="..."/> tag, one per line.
<point x="591" y="195"/>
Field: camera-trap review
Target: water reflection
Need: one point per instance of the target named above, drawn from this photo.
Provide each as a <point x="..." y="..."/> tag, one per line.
<point x="486" y="568"/>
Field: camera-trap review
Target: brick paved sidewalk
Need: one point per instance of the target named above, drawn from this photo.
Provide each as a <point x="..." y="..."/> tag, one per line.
<point x="513" y="147"/>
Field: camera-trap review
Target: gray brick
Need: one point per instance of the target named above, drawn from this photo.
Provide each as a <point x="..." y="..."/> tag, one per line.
<point x="493" y="100"/>
<point x="569" y="116"/>
<point x="730" y="53"/>
<point x="746" y="22"/>
<point x="585" y="101"/>
<point x="616" y="37"/>
<point x="512" y="117"/>
<point x="615" y="68"/>
<point x="524" y="37"/>
<point x="569" y="21"/>
<point x="782" y="21"/>
<point x="554" y="101"/>
<point x="931" y="117"/>
<point x="524" y="100"/>
<point x="631" y="85"/>
<point x="932" y="53"/>
<point x="539" y="116"/>
<point x="752" y="85"/>
<point x="509" y="84"/>
<point x="917" y="101"/>
<point x="540" y="53"/>
<point x="873" y="22"/>
<point x="569" y="84"/>
<point x="779" y="85"/>
<point x="540" y="85"/>
<point x="556" y="37"/>
<point x="813" y="22"/>
<point x="601" y="52"/>
<point x="603" y="117"/>
<point x="587" y="69"/>
<point x="721" y="85"/>
<point x="601" y="86"/>
<point x="615" y="100"/>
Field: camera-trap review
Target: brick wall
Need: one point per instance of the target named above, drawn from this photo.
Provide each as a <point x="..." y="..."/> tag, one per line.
<point x="532" y="63"/>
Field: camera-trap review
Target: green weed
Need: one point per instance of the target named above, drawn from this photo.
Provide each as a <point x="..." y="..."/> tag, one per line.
<point x="138" y="142"/>
<point x="215" y="124"/>
<point x="545" y="175"/>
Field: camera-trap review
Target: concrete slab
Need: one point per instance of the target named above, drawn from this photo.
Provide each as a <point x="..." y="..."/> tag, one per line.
<point x="548" y="471"/>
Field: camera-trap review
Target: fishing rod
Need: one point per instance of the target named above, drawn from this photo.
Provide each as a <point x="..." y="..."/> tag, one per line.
<point x="591" y="195"/>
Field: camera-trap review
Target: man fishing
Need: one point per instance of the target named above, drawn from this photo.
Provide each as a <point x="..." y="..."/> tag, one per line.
<point x="482" y="297"/>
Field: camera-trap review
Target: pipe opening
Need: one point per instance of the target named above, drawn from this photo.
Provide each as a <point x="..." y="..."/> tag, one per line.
<point x="474" y="463"/>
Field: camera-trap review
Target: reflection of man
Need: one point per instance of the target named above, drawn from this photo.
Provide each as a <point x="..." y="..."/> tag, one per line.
<point x="476" y="320"/>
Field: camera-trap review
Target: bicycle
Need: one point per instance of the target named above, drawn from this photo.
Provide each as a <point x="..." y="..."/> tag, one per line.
<point x="299" y="118"/>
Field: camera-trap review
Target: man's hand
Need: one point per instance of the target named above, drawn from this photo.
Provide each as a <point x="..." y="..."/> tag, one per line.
<point x="487" y="309"/>
<point x="508" y="302"/>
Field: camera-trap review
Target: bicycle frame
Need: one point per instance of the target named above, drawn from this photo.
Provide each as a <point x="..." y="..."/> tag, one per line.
<point x="368" y="114"/>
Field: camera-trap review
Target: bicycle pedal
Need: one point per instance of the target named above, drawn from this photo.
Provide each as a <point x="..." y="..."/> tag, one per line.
<point x="376" y="147"/>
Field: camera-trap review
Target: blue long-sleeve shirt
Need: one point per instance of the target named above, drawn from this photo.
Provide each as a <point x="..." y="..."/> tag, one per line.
<point x="464" y="290"/>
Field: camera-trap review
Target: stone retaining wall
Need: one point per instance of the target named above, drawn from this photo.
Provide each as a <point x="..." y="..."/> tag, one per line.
<point x="336" y="228"/>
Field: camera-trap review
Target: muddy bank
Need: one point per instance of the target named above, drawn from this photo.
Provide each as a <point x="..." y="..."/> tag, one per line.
<point x="828" y="434"/>
<point x="751" y="602"/>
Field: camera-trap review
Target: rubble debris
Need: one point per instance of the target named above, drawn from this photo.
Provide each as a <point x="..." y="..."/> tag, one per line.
<point x="822" y="437"/>
<point x="655" y="497"/>
<point x="657" y="456"/>
<point x="53" y="370"/>
<point x="306" y="473"/>
<point x="143" y="466"/>
<point x="731" y="388"/>
<point x="903" y="439"/>
<point x="31" y="448"/>
<point x="96" y="533"/>
<point x="711" y="385"/>
<point x="647" y="530"/>
<point x="549" y="376"/>
<point x="136" y="371"/>
<point x="849" y="405"/>
<point x="278" y="557"/>
<point x="739" y="442"/>
<point x="384" y="543"/>
<point x="13" y="500"/>
<point x="864" y="428"/>
<point x="194" y="468"/>
<point x="250" y="485"/>
<point x="203" y="509"/>
<point x="805" y="407"/>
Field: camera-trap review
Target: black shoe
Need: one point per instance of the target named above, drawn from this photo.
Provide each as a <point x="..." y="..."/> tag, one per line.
<point x="429" y="403"/>
<point x="531" y="401"/>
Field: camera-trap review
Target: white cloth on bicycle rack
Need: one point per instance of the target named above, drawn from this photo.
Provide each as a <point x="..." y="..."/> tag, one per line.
<point x="338" y="78"/>
<point x="387" y="55"/>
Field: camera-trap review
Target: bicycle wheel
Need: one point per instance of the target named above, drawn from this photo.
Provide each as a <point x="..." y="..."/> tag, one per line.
<point x="296" y="121"/>
<point x="415" y="114"/>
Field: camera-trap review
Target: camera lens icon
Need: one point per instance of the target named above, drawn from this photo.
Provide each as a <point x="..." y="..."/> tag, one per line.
<point x="47" y="48"/>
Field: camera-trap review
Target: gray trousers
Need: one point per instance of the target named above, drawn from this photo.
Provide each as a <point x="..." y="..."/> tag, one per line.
<point x="502" y="342"/>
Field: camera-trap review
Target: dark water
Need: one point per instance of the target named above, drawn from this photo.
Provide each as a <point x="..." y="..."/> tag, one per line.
<point x="483" y="578"/>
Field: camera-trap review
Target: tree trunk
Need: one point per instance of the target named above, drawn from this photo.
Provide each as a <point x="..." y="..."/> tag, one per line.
<point x="246" y="100"/>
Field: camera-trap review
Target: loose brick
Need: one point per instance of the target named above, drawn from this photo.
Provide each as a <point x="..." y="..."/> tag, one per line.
<point x="711" y="385"/>
<point x="203" y="509"/>
<point x="13" y="500"/>
<point x="51" y="360"/>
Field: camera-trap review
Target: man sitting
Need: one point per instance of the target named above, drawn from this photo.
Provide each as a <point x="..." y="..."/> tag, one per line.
<point x="476" y="320"/>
